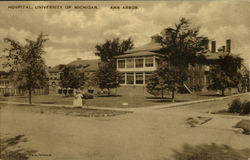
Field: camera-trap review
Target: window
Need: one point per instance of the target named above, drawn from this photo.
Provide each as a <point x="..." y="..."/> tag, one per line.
<point x="130" y="78"/>
<point x="147" y="76"/>
<point x="122" y="79"/>
<point x="139" y="78"/>
<point x="130" y="63"/>
<point x="149" y="62"/>
<point x="139" y="63"/>
<point x="121" y="63"/>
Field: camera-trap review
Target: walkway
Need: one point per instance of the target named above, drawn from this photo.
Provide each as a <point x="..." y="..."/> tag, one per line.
<point x="170" y="105"/>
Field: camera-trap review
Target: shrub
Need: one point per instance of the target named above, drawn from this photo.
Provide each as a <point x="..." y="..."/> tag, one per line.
<point x="6" y="94"/>
<point x="235" y="106"/>
<point x="65" y="91"/>
<point x="70" y="91"/>
<point x="245" y="107"/>
<point x="59" y="91"/>
<point x="238" y="107"/>
<point x="87" y="96"/>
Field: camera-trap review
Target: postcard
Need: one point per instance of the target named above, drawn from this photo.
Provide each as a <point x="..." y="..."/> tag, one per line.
<point x="124" y="80"/>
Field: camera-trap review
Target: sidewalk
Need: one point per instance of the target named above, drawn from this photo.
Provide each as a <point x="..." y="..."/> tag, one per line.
<point x="177" y="104"/>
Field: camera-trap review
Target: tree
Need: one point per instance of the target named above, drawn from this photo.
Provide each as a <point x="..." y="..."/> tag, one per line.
<point x="113" y="48"/>
<point x="165" y="77"/>
<point x="181" y="46"/>
<point x="226" y="73"/>
<point x="108" y="77"/>
<point x="72" y="77"/>
<point x="28" y="70"/>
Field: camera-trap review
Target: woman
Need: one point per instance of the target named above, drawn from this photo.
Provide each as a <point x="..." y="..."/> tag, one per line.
<point x="77" y="101"/>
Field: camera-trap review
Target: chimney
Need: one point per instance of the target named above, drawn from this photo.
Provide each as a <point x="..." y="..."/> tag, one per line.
<point x="213" y="47"/>
<point x="206" y="44"/>
<point x="228" y="45"/>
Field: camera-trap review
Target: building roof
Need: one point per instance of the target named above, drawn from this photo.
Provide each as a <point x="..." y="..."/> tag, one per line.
<point x="56" y="68"/>
<point x="139" y="54"/>
<point x="152" y="46"/>
<point x="213" y="56"/>
<point x="89" y="65"/>
<point x="92" y="64"/>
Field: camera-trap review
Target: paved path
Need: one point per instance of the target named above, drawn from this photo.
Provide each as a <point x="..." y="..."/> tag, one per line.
<point x="177" y="104"/>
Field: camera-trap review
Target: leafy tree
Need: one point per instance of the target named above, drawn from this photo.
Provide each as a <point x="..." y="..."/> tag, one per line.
<point x="28" y="70"/>
<point x="72" y="77"/>
<point x="165" y="77"/>
<point x="113" y="48"/>
<point x="181" y="46"/>
<point x="107" y="77"/>
<point x="226" y="73"/>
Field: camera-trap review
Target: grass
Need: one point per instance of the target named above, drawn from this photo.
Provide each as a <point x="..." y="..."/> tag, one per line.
<point x="131" y="101"/>
<point x="77" y="111"/>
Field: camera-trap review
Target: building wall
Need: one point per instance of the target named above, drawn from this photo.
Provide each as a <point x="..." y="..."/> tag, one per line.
<point x="136" y="70"/>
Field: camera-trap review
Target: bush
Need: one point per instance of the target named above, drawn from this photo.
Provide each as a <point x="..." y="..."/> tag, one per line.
<point x="59" y="91"/>
<point x="6" y="94"/>
<point x="70" y="91"/>
<point x="87" y="96"/>
<point x="238" y="107"/>
<point x="65" y="91"/>
<point x="235" y="106"/>
<point x="245" y="108"/>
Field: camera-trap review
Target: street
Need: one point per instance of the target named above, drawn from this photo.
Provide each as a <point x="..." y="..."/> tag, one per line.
<point x="147" y="135"/>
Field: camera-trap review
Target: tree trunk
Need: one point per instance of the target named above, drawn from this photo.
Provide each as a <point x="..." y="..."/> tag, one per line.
<point x="222" y="92"/>
<point x="173" y="95"/>
<point x="162" y="96"/>
<point x="108" y="92"/>
<point x="30" y="95"/>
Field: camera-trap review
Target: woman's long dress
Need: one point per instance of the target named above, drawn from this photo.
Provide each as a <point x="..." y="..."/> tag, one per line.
<point x="77" y="100"/>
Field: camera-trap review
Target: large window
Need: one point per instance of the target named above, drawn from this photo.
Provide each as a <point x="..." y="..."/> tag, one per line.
<point x="130" y="63"/>
<point x="147" y="76"/>
<point x="139" y="62"/>
<point x="122" y="79"/>
<point x="121" y="63"/>
<point x="149" y="62"/>
<point x="130" y="78"/>
<point x="139" y="78"/>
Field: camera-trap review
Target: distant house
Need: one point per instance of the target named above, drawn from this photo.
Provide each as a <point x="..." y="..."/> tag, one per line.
<point x="8" y="89"/>
<point x="88" y="67"/>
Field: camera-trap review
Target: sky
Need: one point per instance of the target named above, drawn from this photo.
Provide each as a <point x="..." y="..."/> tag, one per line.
<point x="73" y="33"/>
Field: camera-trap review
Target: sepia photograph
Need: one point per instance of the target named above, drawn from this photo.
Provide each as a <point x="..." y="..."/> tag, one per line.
<point x="125" y="80"/>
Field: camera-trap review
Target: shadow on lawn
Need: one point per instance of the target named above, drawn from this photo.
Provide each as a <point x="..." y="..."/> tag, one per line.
<point x="160" y="100"/>
<point x="109" y="96"/>
<point x="210" y="152"/>
<point x="11" y="151"/>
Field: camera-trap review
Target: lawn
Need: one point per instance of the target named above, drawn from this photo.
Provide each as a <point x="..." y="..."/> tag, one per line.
<point x="119" y="101"/>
